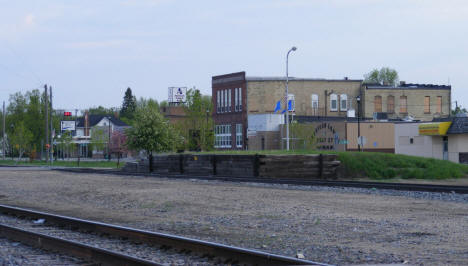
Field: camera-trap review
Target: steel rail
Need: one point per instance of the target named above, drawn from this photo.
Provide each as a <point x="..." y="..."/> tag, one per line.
<point x="162" y="239"/>
<point x="301" y="182"/>
<point x="72" y="248"/>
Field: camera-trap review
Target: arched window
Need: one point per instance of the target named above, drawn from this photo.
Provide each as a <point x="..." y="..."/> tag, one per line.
<point x="378" y="103"/>
<point x="333" y="102"/>
<point x="343" y="102"/>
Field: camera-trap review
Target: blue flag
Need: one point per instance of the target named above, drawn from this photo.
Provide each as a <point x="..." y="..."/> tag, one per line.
<point x="278" y="106"/>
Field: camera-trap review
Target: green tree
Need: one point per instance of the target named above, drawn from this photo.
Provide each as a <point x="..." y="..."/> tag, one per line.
<point x="65" y="144"/>
<point x="143" y="103"/>
<point x="302" y="137"/>
<point x="21" y="139"/>
<point x="128" y="106"/>
<point x="151" y="132"/>
<point x="459" y="110"/>
<point x="100" y="110"/>
<point x="198" y="127"/>
<point x="99" y="138"/>
<point x="383" y="76"/>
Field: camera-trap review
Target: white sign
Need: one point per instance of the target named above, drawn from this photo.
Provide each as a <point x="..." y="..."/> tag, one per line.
<point x="67" y="125"/>
<point x="177" y="94"/>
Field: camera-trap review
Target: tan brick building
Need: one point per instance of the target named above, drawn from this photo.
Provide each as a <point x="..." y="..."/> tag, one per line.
<point x="235" y="96"/>
<point x="419" y="101"/>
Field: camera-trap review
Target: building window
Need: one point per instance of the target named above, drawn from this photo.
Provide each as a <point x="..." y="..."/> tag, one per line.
<point x="236" y="102"/>
<point x="390" y="104"/>
<point x="229" y="100"/>
<point x="292" y="101"/>
<point x="343" y="102"/>
<point x="333" y="102"/>
<point x="223" y="136"/>
<point x="439" y="104"/>
<point x="239" y="135"/>
<point x="226" y="100"/>
<point x="222" y="101"/>
<point x="218" y="100"/>
<point x="378" y="104"/>
<point x="427" y="104"/>
<point x="315" y="104"/>
<point x="403" y="106"/>
<point x="240" y="99"/>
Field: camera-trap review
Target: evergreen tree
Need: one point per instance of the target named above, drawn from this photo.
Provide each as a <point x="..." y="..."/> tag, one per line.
<point x="129" y="105"/>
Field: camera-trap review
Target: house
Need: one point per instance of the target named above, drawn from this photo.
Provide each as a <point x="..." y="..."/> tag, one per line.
<point x="82" y="136"/>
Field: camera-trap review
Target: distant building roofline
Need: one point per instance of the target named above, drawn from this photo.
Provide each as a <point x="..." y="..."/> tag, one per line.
<point x="408" y="86"/>
<point x="253" y="78"/>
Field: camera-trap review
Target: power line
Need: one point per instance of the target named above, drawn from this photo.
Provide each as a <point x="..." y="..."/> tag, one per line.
<point x="21" y="60"/>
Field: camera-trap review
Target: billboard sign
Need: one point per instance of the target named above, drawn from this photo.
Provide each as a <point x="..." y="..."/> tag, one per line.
<point x="177" y="94"/>
<point x="67" y="125"/>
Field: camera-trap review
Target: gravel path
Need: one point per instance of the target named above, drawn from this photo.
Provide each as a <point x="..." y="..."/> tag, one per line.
<point x="330" y="225"/>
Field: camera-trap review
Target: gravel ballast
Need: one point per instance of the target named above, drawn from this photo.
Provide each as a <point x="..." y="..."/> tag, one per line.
<point x="329" y="225"/>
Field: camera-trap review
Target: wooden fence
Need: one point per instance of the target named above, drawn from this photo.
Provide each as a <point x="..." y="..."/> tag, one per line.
<point x="314" y="166"/>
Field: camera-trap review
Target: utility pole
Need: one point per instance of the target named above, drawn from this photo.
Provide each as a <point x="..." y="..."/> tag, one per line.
<point x="46" y="123"/>
<point x="3" y="140"/>
<point x="51" y="130"/>
<point x="108" y="140"/>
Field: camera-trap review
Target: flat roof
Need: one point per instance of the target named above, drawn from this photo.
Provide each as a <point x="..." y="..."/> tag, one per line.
<point x="408" y="86"/>
<point x="254" y="78"/>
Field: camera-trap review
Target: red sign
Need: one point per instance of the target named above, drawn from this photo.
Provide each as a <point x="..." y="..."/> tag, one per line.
<point x="67" y="113"/>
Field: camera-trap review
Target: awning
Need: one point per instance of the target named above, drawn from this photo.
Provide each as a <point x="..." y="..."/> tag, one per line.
<point x="434" y="129"/>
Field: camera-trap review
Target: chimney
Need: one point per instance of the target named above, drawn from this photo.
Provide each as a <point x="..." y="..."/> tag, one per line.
<point x="86" y="123"/>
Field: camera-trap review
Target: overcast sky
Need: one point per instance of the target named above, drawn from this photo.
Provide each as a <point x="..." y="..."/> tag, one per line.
<point x="91" y="51"/>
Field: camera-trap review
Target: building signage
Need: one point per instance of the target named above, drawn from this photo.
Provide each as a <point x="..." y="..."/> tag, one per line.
<point x="177" y="94"/>
<point x="434" y="129"/>
<point x="67" y="125"/>
<point x="326" y="136"/>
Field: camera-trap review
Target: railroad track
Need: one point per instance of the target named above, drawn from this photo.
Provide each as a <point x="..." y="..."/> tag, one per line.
<point x="117" y="245"/>
<point x="302" y="182"/>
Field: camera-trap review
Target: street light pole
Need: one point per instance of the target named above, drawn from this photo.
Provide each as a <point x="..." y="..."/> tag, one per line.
<point x="286" y="97"/>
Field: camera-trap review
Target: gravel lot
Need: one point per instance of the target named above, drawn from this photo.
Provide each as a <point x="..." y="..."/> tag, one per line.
<point x="330" y="225"/>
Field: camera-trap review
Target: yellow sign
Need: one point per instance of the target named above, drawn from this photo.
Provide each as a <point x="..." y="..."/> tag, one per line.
<point x="434" y="129"/>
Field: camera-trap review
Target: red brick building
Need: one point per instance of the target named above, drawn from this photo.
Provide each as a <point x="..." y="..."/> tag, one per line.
<point x="230" y="114"/>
